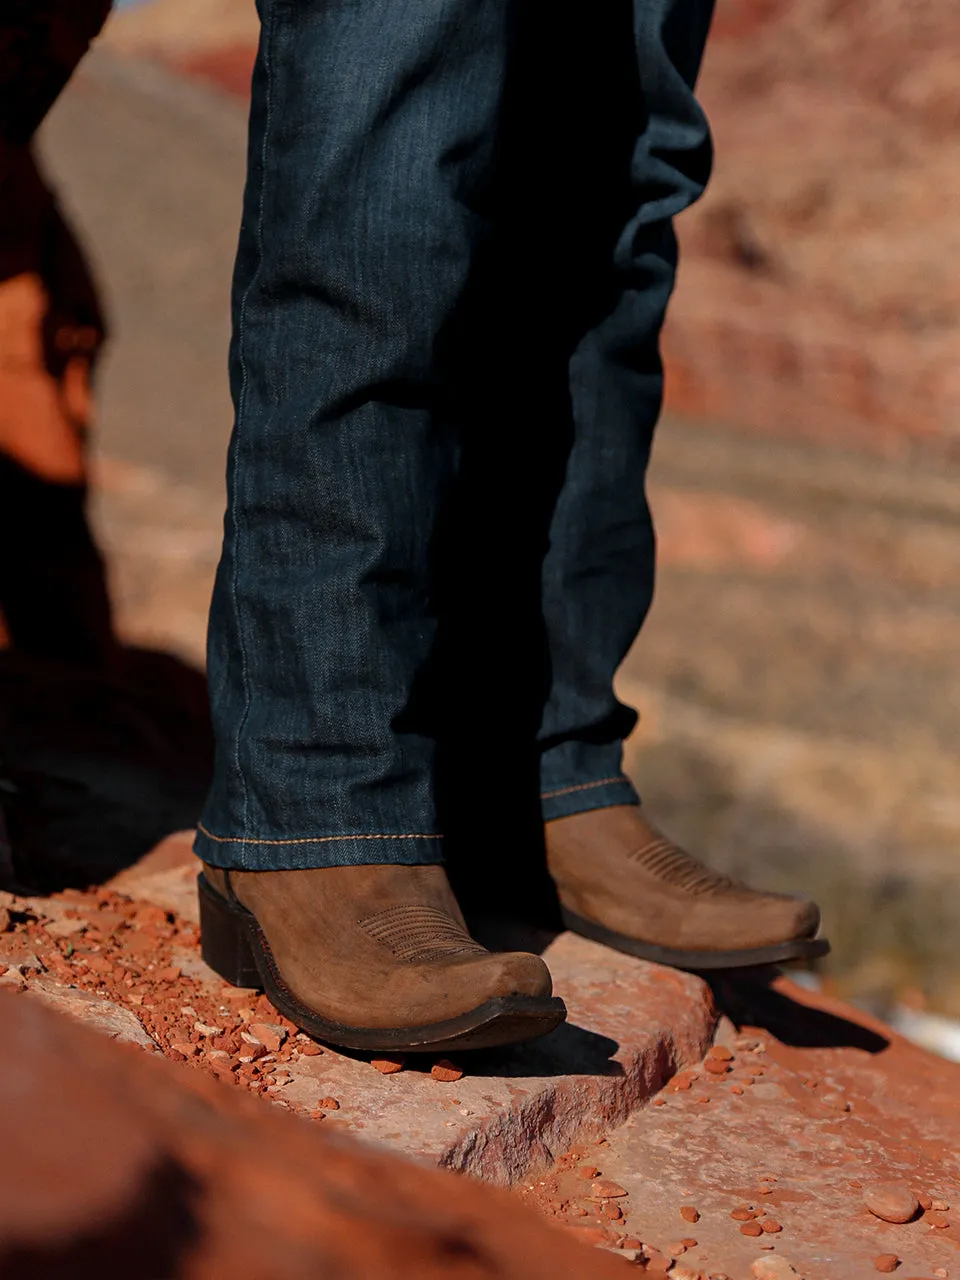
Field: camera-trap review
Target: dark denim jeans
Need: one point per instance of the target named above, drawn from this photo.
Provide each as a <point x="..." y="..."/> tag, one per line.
<point x="455" y="258"/>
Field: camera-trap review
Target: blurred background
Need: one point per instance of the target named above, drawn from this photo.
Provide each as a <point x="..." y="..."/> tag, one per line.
<point x="799" y="679"/>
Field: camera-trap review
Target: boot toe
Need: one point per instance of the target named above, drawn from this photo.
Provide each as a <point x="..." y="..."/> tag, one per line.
<point x="766" y="919"/>
<point x="516" y="973"/>
<point x="803" y="918"/>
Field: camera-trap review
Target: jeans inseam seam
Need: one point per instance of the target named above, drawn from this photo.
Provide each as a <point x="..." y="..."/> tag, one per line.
<point x="413" y="835"/>
<point x="581" y="786"/>
<point x="266" y="46"/>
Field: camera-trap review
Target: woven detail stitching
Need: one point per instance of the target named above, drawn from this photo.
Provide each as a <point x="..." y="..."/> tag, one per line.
<point x="673" y="865"/>
<point x="419" y="933"/>
<point x="581" y="786"/>
<point x="415" y="835"/>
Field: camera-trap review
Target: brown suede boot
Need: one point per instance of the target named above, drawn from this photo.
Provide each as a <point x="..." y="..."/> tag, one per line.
<point x="371" y="957"/>
<point x="621" y="882"/>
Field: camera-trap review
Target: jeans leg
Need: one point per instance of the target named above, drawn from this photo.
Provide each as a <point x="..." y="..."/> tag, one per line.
<point x="598" y="574"/>
<point x="371" y="135"/>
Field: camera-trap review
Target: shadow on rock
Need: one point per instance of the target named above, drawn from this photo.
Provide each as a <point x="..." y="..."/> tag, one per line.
<point x="149" y="1238"/>
<point x="568" y="1050"/>
<point x="750" y="999"/>
<point x="96" y="768"/>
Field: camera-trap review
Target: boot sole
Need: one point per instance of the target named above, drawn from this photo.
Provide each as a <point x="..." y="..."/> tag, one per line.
<point x="697" y="961"/>
<point x="234" y="946"/>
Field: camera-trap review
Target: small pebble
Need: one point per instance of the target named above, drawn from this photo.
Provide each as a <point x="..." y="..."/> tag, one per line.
<point x="612" y="1211"/>
<point x="604" y="1189"/>
<point x="387" y="1066"/>
<point x="329" y="1104"/>
<point x="632" y="1242"/>
<point x="270" y="1035"/>
<point x="925" y="1201"/>
<point x="891" y="1201"/>
<point x="688" y="1242"/>
<point x="937" y="1220"/>
<point x="720" y="1052"/>
<point x="886" y="1262"/>
<point x="689" y="1213"/>
<point x="743" y="1214"/>
<point x="771" y="1227"/>
<point x="716" y="1067"/>
<point x="737" y="1090"/>
<point x="678" y="1248"/>
<point x="941" y="1273"/>
<point x="588" y="1171"/>
<point x="939" y="1206"/>
<point x="445" y="1071"/>
<point x="751" y="1229"/>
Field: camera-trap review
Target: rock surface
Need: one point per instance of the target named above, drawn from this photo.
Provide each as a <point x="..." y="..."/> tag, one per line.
<point x="125" y="958"/>
<point x="771" y="1164"/>
<point x="118" y="1165"/>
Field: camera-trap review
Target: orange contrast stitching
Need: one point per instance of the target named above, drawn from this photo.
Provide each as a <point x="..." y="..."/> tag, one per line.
<point x="581" y="786"/>
<point x="309" y="839"/>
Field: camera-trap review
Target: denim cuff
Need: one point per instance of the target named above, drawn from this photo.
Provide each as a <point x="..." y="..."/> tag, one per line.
<point x="235" y="853"/>
<point x="578" y="797"/>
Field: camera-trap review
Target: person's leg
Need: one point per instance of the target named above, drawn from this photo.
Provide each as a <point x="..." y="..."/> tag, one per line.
<point x="370" y="137"/>
<point x="619" y="880"/>
<point x="598" y="576"/>
<point x="372" y="130"/>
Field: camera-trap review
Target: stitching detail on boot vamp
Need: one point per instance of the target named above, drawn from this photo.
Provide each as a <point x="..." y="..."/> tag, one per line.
<point x="419" y="934"/>
<point x="672" y="865"/>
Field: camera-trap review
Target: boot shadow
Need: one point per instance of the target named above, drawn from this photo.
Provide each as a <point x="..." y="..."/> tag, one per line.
<point x="748" y="998"/>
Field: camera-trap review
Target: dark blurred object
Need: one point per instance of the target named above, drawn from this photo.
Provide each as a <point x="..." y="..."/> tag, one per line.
<point x="53" y="593"/>
<point x="118" y="1166"/>
<point x="41" y="41"/>
<point x="97" y="767"/>
<point x="103" y="751"/>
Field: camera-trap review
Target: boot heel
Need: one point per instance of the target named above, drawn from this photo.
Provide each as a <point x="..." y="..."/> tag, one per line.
<point x="224" y="943"/>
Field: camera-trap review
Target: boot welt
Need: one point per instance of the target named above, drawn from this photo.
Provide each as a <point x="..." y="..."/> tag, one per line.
<point x="697" y="961"/>
<point x="234" y="946"/>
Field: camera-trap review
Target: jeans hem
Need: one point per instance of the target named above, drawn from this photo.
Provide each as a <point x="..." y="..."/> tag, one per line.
<point x="579" y="797"/>
<point x="301" y="853"/>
